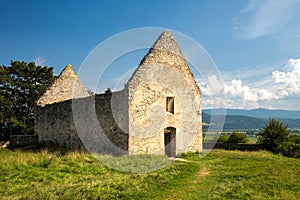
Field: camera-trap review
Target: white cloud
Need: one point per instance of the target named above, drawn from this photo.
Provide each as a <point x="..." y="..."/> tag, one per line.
<point x="212" y="89"/>
<point x="260" y="18"/>
<point x="215" y="86"/>
<point x="40" y="61"/>
<point x="288" y="82"/>
<point x="237" y="89"/>
<point x="280" y="85"/>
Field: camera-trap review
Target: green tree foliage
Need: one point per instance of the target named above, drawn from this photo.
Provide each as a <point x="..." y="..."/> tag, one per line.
<point x="108" y="91"/>
<point x="234" y="137"/>
<point x="237" y="137"/>
<point x="21" y="86"/>
<point x="273" y="135"/>
<point x="91" y="92"/>
<point x="291" y="147"/>
<point x="223" y="138"/>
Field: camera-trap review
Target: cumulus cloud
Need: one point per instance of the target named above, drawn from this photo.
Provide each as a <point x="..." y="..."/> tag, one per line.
<point x="40" y="61"/>
<point x="288" y="81"/>
<point x="260" y="18"/>
<point x="237" y="89"/>
<point x="279" y="85"/>
<point x="212" y="86"/>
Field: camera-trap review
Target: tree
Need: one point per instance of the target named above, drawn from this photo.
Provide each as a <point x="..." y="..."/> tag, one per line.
<point x="273" y="135"/>
<point x="91" y="92"/>
<point x="21" y="86"/>
<point x="223" y="138"/>
<point x="290" y="147"/>
<point x="237" y="137"/>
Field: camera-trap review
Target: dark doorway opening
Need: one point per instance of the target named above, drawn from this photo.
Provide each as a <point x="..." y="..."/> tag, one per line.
<point x="170" y="141"/>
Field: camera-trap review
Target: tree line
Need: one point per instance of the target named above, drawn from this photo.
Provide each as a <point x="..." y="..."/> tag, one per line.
<point x="21" y="86"/>
<point x="275" y="137"/>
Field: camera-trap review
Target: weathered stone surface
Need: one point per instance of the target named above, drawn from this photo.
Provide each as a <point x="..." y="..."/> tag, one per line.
<point x="163" y="73"/>
<point x="167" y="43"/>
<point x="71" y="124"/>
<point x="66" y="86"/>
<point x="134" y="119"/>
<point x="23" y="140"/>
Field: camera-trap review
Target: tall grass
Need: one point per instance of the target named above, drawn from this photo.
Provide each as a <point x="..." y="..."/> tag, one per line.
<point x="219" y="175"/>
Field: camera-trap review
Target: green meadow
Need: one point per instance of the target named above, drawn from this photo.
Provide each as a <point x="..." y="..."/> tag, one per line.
<point x="220" y="174"/>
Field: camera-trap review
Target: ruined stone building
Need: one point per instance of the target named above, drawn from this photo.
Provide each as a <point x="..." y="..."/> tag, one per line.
<point x="157" y="112"/>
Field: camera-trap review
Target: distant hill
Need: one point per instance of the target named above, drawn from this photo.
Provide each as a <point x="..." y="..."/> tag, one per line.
<point x="245" y="119"/>
<point x="259" y="113"/>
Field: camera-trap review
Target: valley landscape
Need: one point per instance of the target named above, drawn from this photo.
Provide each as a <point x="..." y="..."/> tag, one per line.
<point x="253" y="120"/>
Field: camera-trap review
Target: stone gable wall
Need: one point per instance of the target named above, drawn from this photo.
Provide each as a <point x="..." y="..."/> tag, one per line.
<point x="163" y="73"/>
<point x="66" y="86"/>
<point x="147" y="91"/>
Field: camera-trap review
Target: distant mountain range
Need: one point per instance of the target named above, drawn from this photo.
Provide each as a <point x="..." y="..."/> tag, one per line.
<point x="253" y="119"/>
<point x="258" y="113"/>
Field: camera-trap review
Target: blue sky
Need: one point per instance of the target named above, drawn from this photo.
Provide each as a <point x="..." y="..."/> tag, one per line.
<point x="254" y="43"/>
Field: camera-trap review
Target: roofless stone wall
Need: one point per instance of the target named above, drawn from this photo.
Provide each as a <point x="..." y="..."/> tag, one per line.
<point x="164" y="73"/>
<point x="66" y="86"/>
<point x="55" y="123"/>
<point x="158" y="112"/>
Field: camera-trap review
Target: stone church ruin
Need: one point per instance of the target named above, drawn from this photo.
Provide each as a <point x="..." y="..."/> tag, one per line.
<point x="157" y="112"/>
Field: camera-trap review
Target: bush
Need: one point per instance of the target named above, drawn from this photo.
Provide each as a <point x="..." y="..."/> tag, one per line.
<point x="274" y="136"/>
<point x="295" y="139"/>
<point x="237" y="137"/>
<point x="223" y="138"/>
<point x="291" y="147"/>
<point x="234" y="137"/>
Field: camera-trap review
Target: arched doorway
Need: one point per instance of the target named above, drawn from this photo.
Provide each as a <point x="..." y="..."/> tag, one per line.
<point x="170" y="141"/>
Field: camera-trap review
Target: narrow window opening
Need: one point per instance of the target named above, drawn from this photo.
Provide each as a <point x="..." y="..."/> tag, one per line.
<point x="170" y="105"/>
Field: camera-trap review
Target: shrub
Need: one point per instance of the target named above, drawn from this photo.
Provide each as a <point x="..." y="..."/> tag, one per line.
<point x="223" y="138"/>
<point x="274" y="136"/>
<point x="295" y="139"/>
<point x="291" y="147"/>
<point x="237" y="137"/>
<point x="108" y="91"/>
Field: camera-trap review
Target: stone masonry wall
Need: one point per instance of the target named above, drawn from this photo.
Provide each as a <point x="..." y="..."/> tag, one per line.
<point x="148" y="116"/>
<point x="87" y="123"/>
<point x="66" y="86"/>
<point x="163" y="73"/>
<point x="133" y="119"/>
<point x="23" y="140"/>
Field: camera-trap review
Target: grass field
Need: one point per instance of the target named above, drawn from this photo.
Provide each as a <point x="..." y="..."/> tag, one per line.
<point x="219" y="175"/>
